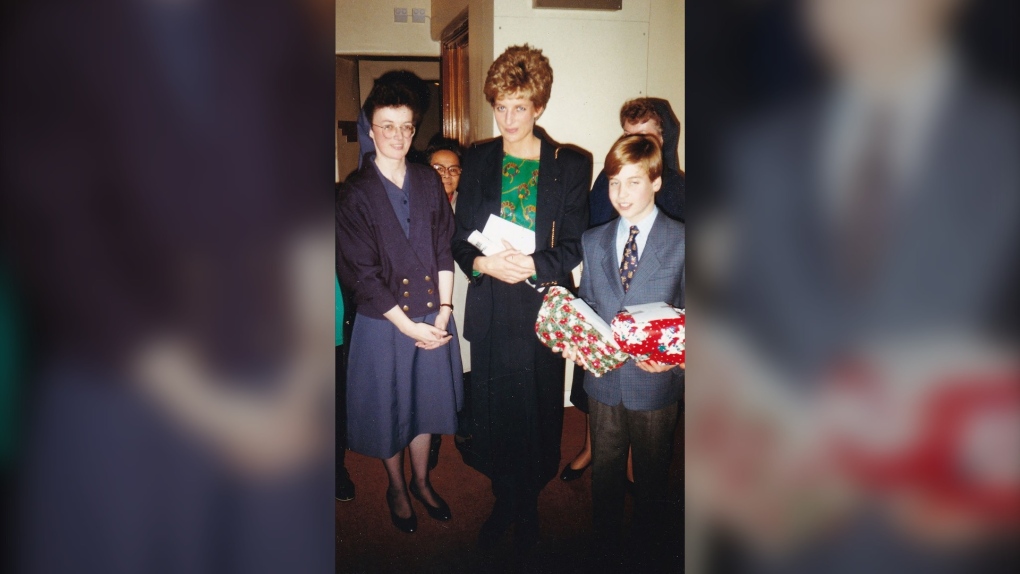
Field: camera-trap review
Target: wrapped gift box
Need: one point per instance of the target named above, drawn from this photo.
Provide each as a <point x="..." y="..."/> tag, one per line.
<point x="566" y="322"/>
<point x="654" y="331"/>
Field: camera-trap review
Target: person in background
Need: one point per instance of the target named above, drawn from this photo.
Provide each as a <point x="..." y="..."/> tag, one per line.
<point x="515" y="418"/>
<point x="654" y="117"/>
<point x="394" y="224"/>
<point x="344" y="486"/>
<point x="11" y="349"/>
<point x="444" y="156"/>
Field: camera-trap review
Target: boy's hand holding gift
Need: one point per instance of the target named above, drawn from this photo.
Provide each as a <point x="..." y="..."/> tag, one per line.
<point x="653" y="334"/>
<point x="568" y="326"/>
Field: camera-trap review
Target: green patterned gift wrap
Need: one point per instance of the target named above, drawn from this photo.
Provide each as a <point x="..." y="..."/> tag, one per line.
<point x="566" y="322"/>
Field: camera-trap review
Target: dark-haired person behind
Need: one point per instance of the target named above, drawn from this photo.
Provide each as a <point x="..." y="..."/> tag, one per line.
<point x="654" y="117"/>
<point x="444" y="156"/>
<point x="515" y="417"/>
<point x="393" y="226"/>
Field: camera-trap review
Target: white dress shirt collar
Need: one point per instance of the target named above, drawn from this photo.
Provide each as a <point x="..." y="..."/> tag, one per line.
<point x="623" y="233"/>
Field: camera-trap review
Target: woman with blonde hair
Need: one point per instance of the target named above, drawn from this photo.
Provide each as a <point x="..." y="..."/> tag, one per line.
<point x="515" y="413"/>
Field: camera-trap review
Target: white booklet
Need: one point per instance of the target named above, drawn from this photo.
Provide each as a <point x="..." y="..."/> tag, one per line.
<point x="490" y="240"/>
<point x="653" y="311"/>
<point x="484" y="244"/>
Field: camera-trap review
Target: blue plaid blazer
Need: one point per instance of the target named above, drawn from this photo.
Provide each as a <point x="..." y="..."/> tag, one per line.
<point x="659" y="277"/>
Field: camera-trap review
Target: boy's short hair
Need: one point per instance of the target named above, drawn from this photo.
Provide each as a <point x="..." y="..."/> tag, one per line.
<point x="389" y="94"/>
<point x="520" y="70"/>
<point x="637" y="149"/>
<point x="639" y="111"/>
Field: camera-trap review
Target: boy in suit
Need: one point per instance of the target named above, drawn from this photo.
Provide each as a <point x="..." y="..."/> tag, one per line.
<point x="637" y="258"/>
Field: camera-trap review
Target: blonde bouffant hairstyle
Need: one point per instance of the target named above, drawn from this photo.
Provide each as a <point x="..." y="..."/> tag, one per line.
<point x="520" y="70"/>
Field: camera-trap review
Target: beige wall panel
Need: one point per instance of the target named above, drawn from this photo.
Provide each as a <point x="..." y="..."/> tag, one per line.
<point x="366" y="27"/>
<point x="480" y="56"/>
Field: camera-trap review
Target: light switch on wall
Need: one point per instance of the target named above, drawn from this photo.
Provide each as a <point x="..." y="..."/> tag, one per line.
<point x="400" y="15"/>
<point x="418" y="15"/>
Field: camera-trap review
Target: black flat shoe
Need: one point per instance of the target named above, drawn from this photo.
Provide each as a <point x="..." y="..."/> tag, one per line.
<point x="441" y="512"/>
<point x="344" y="486"/>
<point x="570" y="474"/>
<point x="408" y="525"/>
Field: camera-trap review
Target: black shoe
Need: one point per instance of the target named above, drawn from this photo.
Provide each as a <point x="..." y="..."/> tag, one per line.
<point x="408" y="525"/>
<point x="344" y="485"/>
<point x="630" y="487"/>
<point x="570" y="474"/>
<point x="441" y="512"/>
<point x="495" y="525"/>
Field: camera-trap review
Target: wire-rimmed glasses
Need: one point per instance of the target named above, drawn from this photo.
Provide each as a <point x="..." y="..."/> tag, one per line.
<point x="390" y="130"/>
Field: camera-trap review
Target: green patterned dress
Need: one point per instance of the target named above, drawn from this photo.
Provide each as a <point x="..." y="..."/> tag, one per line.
<point x="520" y="191"/>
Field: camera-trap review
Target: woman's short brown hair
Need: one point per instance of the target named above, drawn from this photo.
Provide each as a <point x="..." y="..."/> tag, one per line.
<point x="637" y="149"/>
<point x="393" y="90"/>
<point x="520" y="70"/>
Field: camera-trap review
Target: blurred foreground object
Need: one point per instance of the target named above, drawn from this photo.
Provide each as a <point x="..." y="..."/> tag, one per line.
<point x="857" y="407"/>
<point x="166" y="208"/>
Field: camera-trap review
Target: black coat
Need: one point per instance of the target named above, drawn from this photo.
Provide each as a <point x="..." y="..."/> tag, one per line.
<point x="562" y="216"/>
<point x="515" y="408"/>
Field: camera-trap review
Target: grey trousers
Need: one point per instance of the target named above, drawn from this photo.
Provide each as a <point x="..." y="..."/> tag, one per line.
<point x="649" y="434"/>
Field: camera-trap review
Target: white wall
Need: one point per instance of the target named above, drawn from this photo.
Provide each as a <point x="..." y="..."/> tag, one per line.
<point x="666" y="64"/>
<point x="600" y="59"/>
<point x="366" y="27"/>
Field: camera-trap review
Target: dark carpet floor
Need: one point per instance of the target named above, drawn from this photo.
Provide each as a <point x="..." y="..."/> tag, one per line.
<point x="367" y="542"/>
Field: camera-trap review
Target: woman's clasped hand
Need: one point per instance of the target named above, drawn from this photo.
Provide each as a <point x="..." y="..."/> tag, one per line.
<point x="509" y="266"/>
<point x="427" y="336"/>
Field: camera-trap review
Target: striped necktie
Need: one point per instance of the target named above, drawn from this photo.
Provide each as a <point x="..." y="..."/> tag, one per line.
<point x="630" y="259"/>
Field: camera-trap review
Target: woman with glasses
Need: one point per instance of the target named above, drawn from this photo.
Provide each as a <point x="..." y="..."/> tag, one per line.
<point x="444" y="157"/>
<point x="515" y="415"/>
<point x="393" y="226"/>
<point x="443" y="154"/>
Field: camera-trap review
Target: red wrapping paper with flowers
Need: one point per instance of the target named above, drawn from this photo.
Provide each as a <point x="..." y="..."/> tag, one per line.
<point x="565" y="321"/>
<point x="656" y="331"/>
